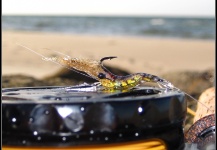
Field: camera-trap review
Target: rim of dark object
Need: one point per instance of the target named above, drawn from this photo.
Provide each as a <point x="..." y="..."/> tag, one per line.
<point x="202" y="132"/>
<point x="54" y="116"/>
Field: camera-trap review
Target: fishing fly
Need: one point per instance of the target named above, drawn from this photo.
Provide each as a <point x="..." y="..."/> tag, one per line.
<point x="95" y="69"/>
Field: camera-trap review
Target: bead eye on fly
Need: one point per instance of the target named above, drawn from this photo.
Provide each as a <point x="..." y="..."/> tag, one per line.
<point x="101" y="76"/>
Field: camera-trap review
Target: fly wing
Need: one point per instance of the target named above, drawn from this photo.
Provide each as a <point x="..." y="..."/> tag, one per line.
<point x="74" y="64"/>
<point x="88" y="66"/>
<point x="92" y="68"/>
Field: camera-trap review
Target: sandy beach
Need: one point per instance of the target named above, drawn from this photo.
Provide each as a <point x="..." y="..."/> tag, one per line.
<point x="150" y="55"/>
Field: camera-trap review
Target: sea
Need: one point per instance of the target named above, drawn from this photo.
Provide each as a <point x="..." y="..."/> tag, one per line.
<point x="161" y="27"/>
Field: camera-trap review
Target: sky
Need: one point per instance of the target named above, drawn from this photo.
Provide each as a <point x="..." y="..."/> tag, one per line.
<point x="187" y="8"/>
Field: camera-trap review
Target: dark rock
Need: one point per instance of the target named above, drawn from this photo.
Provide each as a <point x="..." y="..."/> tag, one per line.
<point x="192" y="82"/>
<point x="20" y="81"/>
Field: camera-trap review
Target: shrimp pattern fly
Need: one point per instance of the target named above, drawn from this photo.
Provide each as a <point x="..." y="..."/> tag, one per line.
<point x="95" y="69"/>
<point x="109" y="81"/>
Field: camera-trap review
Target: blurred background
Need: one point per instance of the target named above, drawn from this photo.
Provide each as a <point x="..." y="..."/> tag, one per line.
<point x="174" y="19"/>
<point x="171" y="39"/>
<point x="156" y="37"/>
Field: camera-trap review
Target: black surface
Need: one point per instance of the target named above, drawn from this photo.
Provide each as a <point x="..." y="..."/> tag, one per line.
<point x="57" y="116"/>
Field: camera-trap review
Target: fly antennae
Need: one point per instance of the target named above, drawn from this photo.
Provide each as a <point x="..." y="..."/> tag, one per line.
<point x="53" y="60"/>
<point x="173" y="87"/>
<point x="58" y="53"/>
